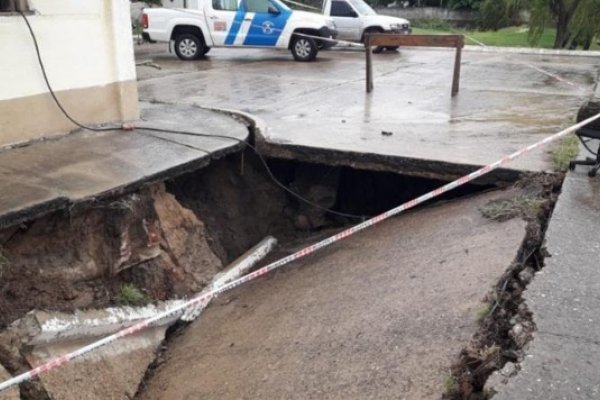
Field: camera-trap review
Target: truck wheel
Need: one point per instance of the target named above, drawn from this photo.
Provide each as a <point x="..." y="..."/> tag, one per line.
<point x="189" y="47"/>
<point x="368" y="31"/>
<point x="304" y="48"/>
<point x="206" y="50"/>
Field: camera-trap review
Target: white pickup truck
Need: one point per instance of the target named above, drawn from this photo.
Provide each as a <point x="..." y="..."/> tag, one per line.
<point x="238" y="23"/>
<point x="355" y="18"/>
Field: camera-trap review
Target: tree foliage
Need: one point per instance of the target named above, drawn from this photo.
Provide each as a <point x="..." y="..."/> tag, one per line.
<point x="585" y="25"/>
<point x="496" y="14"/>
<point x="464" y="4"/>
<point x="577" y="22"/>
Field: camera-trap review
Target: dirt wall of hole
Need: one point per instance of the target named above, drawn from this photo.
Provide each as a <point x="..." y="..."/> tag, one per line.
<point x="170" y="238"/>
<point x="81" y="259"/>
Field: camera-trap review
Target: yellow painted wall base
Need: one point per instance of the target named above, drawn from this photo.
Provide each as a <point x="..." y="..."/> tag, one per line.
<point x="27" y="118"/>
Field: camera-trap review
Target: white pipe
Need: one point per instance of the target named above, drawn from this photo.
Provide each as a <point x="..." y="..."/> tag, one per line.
<point x="238" y="268"/>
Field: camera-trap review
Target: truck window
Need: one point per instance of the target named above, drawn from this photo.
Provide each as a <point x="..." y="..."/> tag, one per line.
<point x="225" y="5"/>
<point x="259" y="6"/>
<point x="341" y="9"/>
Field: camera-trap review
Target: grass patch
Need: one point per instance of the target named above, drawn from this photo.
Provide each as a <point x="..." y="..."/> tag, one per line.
<point x="130" y="295"/>
<point x="505" y="209"/>
<point x="483" y="311"/>
<point x="514" y="36"/>
<point x="564" y="152"/>
<point x="450" y="385"/>
<point x="432" y="24"/>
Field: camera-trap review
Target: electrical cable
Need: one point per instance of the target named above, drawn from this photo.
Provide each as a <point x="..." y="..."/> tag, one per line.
<point x="265" y="165"/>
<point x="41" y="63"/>
<point x="105" y="129"/>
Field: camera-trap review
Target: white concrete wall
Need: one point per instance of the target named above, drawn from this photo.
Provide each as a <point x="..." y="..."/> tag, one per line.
<point x="87" y="50"/>
<point x="84" y="43"/>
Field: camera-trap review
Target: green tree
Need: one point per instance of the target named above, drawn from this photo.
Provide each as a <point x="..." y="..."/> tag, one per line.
<point x="545" y="12"/>
<point x="585" y="25"/>
<point x="576" y="21"/>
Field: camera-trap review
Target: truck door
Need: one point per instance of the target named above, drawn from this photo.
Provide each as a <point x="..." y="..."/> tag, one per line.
<point x="268" y="21"/>
<point x="346" y="19"/>
<point x="225" y="19"/>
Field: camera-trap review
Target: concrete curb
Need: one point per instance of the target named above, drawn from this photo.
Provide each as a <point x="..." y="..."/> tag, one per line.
<point x="258" y="125"/>
<point x="532" y="51"/>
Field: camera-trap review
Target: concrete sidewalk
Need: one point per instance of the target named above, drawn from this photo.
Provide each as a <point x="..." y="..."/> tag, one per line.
<point x="563" y="360"/>
<point x="86" y="166"/>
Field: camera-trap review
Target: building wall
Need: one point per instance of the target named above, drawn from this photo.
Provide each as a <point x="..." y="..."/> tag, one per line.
<point x="87" y="49"/>
<point x="425" y="13"/>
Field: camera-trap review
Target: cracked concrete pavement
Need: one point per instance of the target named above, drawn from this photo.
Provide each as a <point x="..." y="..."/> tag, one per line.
<point x="563" y="360"/>
<point x="503" y="104"/>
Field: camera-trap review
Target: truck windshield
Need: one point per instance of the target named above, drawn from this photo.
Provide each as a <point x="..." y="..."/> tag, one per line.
<point x="279" y="5"/>
<point x="362" y="8"/>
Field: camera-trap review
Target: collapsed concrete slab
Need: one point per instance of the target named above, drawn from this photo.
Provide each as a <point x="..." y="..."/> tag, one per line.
<point x="113" y="372"/>
<point x="357" y="321"/>
<point x="116" y="370"/>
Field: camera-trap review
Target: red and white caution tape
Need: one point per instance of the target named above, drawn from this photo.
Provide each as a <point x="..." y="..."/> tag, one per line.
<point x="530" y="65"/>
<point x="203" y="297"/>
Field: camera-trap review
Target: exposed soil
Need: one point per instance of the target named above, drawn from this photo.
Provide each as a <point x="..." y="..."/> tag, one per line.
<point x="507" y="325"/>
<point x="81" y="259"/>
<point x="238" y="204"/>
<point x="168" y="240"/>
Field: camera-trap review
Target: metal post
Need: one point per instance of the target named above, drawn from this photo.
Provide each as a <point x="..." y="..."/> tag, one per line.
<point x="456" y="76"/>
<point x="369" y="64"/>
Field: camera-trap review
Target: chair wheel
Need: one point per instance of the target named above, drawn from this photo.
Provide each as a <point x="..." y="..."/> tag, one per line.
<point x="592" y="173"/>
<point x="572" y="166"/>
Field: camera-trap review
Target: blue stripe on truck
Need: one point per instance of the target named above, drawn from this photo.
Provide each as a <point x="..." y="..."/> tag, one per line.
<point x="236" y="24"/>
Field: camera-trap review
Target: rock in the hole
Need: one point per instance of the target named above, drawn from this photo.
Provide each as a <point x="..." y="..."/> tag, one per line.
<point x="323" y="194"/>
<point x="519" y="334"/>
<point x="494" y="382"/>
<point x="509" y="369"/>
<point x="500" y="378"/>
<point x="526" y="276"/>
<point x="302" y="223"/>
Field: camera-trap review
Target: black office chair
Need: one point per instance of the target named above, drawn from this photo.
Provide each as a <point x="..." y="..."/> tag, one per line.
<point x="590" y="131"/>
